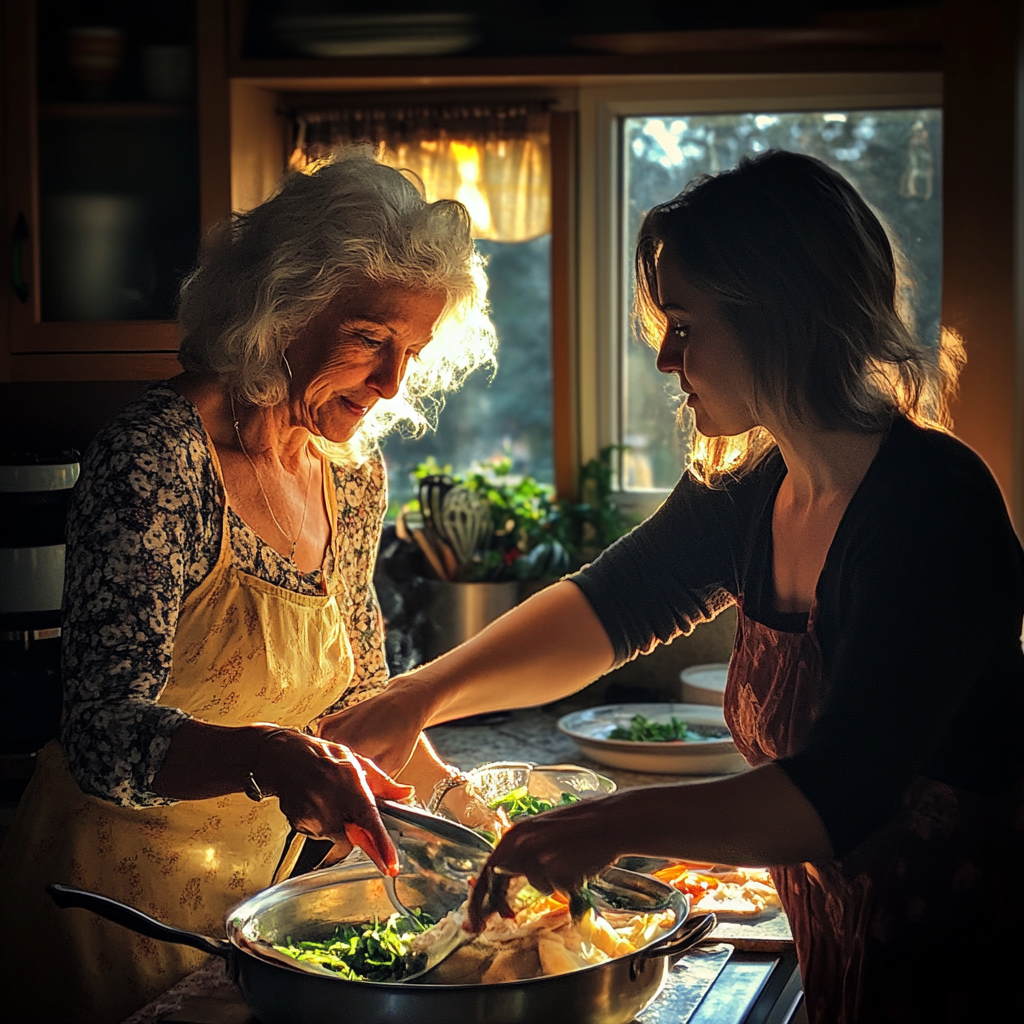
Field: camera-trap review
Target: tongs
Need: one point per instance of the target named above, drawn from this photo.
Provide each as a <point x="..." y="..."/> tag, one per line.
<point x="438" y="847"/>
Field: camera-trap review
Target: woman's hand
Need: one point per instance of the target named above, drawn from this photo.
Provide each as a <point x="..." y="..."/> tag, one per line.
<point x="384" y="728"/>
<point x="327" y="792"/>
<point x="472" y="811"/>
<point x="558" y="849"/>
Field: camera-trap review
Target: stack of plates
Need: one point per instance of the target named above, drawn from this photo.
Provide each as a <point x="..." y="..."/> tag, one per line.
<point x="590" y="729"/>
<point x="378" y="35"/>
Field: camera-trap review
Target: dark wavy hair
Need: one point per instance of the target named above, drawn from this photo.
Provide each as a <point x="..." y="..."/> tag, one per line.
<point x="804" y="272"/>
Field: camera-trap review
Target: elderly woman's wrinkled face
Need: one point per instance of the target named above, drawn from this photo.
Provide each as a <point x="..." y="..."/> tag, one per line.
<point x="356" y="353"/>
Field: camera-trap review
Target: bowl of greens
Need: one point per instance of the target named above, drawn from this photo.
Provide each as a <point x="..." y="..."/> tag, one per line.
<point x="521" y="789"/>
<point x="670" y="739"/>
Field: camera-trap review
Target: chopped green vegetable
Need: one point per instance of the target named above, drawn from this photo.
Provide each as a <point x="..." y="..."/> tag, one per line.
<point x="519" y="803"/>
<point x="369" y="952"/>
<point x="643" y="730"/>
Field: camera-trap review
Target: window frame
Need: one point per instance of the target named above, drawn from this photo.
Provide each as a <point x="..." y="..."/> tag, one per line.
<point x="601" y="298"/>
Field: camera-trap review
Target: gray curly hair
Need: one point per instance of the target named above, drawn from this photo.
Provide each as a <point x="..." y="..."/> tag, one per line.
<point x="263" y="275"/>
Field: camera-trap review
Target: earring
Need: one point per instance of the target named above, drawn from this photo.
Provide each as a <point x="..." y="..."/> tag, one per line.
<point x="284" y="359"/>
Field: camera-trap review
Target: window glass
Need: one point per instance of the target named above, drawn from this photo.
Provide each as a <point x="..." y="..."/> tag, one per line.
<point x="892" y="156"/>
<point x="509" y="416"/>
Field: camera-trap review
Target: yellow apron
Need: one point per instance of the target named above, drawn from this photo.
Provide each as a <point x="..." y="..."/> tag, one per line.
<point x="245" y="651"/>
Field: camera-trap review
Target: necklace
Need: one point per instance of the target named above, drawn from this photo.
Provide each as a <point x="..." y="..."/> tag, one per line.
<point x="270" y="508"/>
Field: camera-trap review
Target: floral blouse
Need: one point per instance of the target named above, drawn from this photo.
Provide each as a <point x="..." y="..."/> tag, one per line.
<point x="144" y="530"/>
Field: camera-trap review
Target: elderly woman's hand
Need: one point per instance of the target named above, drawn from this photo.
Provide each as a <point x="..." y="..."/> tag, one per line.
<point x="558" y="849"/>
<point x="385" y="728"/>
<point x="327" y="792"/>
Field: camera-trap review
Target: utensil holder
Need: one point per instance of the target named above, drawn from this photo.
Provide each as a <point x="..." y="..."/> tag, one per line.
<point x="458" y="611"/>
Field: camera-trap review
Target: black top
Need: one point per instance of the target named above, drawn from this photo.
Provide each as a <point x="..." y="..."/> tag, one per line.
<point x="919" y="609"/>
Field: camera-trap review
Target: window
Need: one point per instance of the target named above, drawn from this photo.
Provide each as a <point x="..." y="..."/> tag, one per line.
<point x="508" y="416"/>
<point x="884" y="134"/>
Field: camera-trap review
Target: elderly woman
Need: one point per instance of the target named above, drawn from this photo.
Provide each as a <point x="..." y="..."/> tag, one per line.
<point x="219" y="606"/>
<point x="877" y="682"/>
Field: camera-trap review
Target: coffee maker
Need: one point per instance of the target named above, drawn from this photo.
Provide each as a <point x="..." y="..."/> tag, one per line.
<point x="35" y="490"/>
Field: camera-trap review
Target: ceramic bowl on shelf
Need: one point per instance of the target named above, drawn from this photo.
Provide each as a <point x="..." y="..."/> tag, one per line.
<point x="713" y="754"/>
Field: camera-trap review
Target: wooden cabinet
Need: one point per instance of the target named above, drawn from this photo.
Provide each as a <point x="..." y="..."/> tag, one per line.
<point x="104" y="185"/>
<point x="240" y="146"/>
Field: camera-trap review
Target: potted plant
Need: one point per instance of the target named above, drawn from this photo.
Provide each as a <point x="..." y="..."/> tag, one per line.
<point x="491" y="537"/>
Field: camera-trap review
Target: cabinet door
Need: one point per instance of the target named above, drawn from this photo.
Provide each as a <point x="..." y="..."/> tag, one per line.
<point x="102" y="190"/>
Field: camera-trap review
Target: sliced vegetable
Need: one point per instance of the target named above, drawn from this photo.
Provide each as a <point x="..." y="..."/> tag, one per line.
<point x="520" y="803"/>
<point x="675" y="730"/>
<point x="368" y="952"/>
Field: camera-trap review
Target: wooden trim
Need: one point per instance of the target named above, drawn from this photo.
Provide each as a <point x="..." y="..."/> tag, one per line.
<point x="979" y="224"/>
<point x="563" y="302"/>
<point x="214" y="114"/>
<point x="22" y="161"/>
<point x="258" y="157"/>
<point x="116" y="111"/>
<point x="101" y="336"/>
<point x="95" y="366"/>
<point x="570" y="69"/>
<point x="6" y="291"/>
<point x="238" y="15"/>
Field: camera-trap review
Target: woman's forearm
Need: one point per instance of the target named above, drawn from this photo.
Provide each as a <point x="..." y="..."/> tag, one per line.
<point x="548" y="647"/>
<point x="206" y="760"/>
<point x="424" y="770"/>
<point x="756" y="818"/>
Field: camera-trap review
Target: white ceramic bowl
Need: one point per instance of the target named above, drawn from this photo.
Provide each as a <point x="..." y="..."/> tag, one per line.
<point x="589" y="730"/>
<point x="704" y="684"/>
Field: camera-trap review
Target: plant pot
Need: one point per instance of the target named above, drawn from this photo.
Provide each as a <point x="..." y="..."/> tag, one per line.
<point x="458" y="611"/>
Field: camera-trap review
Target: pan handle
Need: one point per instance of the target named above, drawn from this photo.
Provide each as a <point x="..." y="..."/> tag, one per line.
<point x="695" y="930"/>
<point x="120" y="913"/>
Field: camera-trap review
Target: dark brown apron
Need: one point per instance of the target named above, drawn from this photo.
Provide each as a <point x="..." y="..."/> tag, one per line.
<point x="923" y="920"/>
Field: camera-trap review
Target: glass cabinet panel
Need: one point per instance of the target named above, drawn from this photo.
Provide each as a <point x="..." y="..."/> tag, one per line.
<point x="118" y="176"/>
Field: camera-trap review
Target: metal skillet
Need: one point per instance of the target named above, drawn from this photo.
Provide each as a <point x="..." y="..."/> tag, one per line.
<point x="279" y="991"/>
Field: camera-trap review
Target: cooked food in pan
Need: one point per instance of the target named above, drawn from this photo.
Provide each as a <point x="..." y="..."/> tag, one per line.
<point x="675" y="730"/>
<point x="541" y="939"/>
<point x="368" y="952"/>
<point x="729" y="891"/>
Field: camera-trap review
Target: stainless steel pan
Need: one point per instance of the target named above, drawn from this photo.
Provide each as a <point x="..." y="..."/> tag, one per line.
<point x="280" y="992"/>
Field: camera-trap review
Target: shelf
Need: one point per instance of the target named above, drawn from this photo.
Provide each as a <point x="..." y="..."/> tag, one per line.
<point x="577" y="68"/>
<point x="114" y="336"/>
<point x="84" y="366"/>
<point x="117" y="111"/>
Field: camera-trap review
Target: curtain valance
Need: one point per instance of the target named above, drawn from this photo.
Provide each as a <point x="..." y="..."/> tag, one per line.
<point x="492" y="157"/>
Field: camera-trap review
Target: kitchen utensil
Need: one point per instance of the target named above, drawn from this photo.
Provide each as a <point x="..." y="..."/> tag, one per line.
<point x="411" y="526"/>
<point x="458" y="611"/>
<point x="614" y="992"/>
<point x="466" y="522"/>
<point x="589" y="730"/>
<point x="431" y="493"/>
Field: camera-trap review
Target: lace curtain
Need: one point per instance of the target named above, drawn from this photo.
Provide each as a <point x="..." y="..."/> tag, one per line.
<point x="494" y="158"/>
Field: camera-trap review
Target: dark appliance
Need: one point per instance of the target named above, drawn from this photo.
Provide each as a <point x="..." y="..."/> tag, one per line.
<point x="34" y="494"/>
